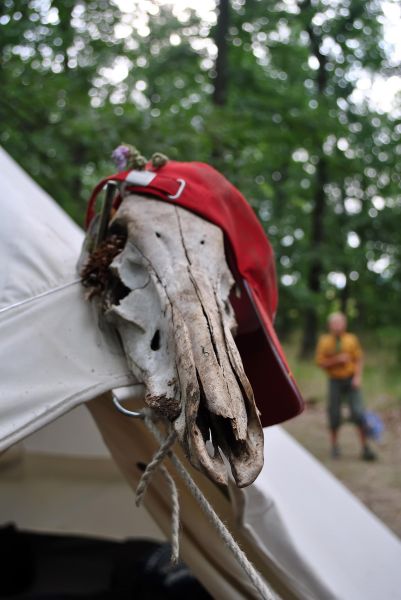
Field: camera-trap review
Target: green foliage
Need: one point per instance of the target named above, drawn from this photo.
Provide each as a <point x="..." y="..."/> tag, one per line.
<point x="79" y="77"/>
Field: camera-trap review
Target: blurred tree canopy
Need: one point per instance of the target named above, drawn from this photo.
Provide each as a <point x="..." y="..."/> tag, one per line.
<point x="270" y="93"/>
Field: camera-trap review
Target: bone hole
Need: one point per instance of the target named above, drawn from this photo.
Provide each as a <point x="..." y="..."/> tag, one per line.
<point x="155" y="343"/>
<point x="158" y="234"/>
<point x="118" y="228"/>
<point x="202" y="242"/>
<point x="227" y="307"/>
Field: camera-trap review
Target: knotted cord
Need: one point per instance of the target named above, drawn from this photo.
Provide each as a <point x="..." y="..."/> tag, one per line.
<point x="152" y="467"/>
<point x="150" y="418"/>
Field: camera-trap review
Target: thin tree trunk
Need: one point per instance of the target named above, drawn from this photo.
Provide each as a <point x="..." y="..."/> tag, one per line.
<point x="344" y="296"/>
<point x="316" y="269"/>
<point x="316" y="265"/>
<point x="221" y="65"/>
<point x="220" y="90"/>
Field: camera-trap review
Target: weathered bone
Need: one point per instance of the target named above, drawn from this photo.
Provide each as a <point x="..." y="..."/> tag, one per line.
<point x="169" y="300"/>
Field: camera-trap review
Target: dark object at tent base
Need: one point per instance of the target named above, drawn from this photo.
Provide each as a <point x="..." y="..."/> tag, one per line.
<point x="48" y="567"/>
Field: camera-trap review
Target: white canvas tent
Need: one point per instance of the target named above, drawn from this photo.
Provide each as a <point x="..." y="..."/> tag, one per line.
<point x="305" y="532"/>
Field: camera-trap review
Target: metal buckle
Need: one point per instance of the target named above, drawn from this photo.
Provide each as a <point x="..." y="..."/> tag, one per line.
<point x="180" y="190"/>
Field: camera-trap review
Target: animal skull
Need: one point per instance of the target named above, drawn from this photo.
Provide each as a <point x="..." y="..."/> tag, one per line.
<point x="169" y="300"/>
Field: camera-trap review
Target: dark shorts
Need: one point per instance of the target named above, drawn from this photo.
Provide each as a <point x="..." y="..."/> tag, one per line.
<point x="342" y="392"/>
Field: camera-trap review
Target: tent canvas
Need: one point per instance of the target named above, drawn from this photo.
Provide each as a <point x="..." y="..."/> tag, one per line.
<point x="303" y="529"/>
<point x="53" y="355"/>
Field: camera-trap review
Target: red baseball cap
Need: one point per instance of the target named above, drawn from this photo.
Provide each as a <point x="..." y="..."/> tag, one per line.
<point x="198" y="187"/>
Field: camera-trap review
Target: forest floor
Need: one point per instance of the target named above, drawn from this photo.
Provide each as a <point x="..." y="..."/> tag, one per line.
<point x="376" y="484"/>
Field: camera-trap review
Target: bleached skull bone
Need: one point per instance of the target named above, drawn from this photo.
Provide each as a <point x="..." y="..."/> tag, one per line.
<point x="170" y="304"/>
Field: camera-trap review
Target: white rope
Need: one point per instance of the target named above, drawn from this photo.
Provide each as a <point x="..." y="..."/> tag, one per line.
<point x="175" y="517"/>
<point x="144" y="482"/>
<point x="153" y="465"/>
<point x="222" y="530"/>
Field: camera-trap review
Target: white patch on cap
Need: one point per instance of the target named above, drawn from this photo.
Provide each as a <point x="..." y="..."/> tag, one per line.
<point x="142" y="178"/>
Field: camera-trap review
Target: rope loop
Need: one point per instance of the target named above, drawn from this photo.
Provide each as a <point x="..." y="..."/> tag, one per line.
<point x="155" y="465"/>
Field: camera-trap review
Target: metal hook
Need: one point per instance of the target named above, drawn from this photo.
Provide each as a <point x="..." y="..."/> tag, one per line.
<point x="125" y="411"/>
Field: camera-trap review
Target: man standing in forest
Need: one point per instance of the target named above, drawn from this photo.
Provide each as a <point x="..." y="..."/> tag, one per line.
<point x="339" y="353"/>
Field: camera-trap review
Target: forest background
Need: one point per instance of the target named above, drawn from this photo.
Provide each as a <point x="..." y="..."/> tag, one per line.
<point x="295" y="101"/>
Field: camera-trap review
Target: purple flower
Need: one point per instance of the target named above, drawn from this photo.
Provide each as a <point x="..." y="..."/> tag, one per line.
<point x="120" y="156"/>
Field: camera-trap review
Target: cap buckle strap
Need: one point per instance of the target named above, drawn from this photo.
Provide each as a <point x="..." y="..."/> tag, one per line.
<point x="180" y="190"/>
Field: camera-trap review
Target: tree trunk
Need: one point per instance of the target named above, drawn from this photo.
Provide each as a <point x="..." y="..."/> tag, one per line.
<point x="316" y="269"/>
<point x="220" y="90"/>
<point x="344" y="297"/>
<point x="316" y="265"/>
<point x="221" y="66"/>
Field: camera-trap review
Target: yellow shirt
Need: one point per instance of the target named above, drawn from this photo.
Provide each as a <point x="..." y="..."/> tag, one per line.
<point x="328" y="346"/>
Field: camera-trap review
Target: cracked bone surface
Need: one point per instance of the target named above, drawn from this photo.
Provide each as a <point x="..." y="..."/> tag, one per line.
<point x="169" y="300"/>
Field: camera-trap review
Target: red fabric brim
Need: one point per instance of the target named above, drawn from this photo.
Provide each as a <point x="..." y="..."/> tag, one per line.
<point x="276" y="394"/>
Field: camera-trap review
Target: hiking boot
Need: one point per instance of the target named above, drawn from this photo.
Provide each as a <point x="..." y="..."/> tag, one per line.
<point x="335" y="452"/>
<point x="368" y="454"/>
